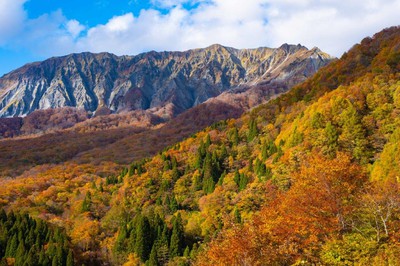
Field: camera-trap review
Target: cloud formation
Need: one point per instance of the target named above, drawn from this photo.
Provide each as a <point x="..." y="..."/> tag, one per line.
<point x="334" y="26"/>
<point x="12" y="17"/>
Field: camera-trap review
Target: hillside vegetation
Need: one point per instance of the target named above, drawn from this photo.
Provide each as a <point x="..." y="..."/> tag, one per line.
<point x="310" y="178"/>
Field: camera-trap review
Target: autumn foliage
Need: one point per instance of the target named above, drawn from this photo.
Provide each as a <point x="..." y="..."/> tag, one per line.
<point x="310" y="178"/>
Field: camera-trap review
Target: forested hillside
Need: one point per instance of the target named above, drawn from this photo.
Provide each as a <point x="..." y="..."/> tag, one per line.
<point x="310" y="178"/>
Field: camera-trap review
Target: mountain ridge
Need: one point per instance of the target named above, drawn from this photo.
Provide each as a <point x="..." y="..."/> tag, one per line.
<point x="148" y="80"/>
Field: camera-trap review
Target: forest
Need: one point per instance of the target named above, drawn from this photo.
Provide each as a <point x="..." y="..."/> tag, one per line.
<point x="309" y="178"/>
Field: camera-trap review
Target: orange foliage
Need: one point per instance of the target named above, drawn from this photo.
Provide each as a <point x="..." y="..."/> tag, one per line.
<point x="316" y="207"/>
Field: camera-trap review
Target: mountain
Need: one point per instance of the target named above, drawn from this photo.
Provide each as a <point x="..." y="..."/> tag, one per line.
<point x="167" y="83"/>
<point x="309" y="178"/>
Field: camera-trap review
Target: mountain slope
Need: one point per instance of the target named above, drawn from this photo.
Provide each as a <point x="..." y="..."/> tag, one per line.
<point x="310" y="178"/>
<point x="174" y="80"/>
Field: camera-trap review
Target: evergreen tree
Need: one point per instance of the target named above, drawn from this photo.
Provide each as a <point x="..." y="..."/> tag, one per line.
<point x="177" y="239"/>
<point x="237" y="216"/>
<point x="264" y="151"/>
<point x="243" y="182"/>
<point x="153" y="260"/>
<point x="221" y="178"/>
<point x="253" y="130"/>
<point x="236" y="177"/>
<point x="12" y="246"/>
<point x="331" y="138"/>
<point x="175" y="173"/>
<point x="87" y="202"/>
<point x="208" y="141"/>
<point x="235" y="137"/>
<point x="20" y="254"/>
<point x="193" y="252"/>
<point x="131" y="171"/>
<point x="186" y="253"/>
<point x="208" y="185"/>
<point x="143" y="240"/>
<point x="70" y="259"/>
<point x="173" y="206"/>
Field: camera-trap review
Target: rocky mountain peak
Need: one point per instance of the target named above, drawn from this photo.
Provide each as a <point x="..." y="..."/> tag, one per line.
<point x="179" y="80"/>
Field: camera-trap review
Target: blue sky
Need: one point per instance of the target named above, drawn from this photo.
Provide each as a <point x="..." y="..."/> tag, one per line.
<point x="32" y="30"/>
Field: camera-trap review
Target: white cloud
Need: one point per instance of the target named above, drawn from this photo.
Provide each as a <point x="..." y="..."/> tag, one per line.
<point x="74" y="28"/>
<point x="332" y="25"/>
<point x="216" y="22"/>
<point x="12" y="16"/>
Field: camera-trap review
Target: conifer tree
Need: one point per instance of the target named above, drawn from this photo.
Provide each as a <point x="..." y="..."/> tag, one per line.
<point x="173" y="204"/>
<point x="208" y="185"/>
<point x="237" y="216"/>
<point x="176" y="244"/>
<point x="186" y="253"/>
<point x="143" y="239"/>
<point x="70" y="259"/>
<point x="236" y="177"/>
<point x="153" y="260"/>
<point x="253" y="130"/>
<point x="331" y="136"/>
<point x="12" y="246"/>
<point x="20" y="254"/>
<point x="87" y="202"/>
<point x="208" y="141"/>
<point x="243" y="181"/>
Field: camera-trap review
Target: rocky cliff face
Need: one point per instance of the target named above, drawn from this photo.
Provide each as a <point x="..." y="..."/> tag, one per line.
<point x="167" y="82"/>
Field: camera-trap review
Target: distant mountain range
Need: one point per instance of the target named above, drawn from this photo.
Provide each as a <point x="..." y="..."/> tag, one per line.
<point x="164" y="83"/>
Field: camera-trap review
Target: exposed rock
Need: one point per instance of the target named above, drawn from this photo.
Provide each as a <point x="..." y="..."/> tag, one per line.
<point x="168" y="83"/>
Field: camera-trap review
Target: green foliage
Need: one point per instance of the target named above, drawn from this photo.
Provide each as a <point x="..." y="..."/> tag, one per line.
<point x="50" y="245"/>
<point x="253" y="130"/>
<point x="87" y="202"/>
<point x="143" y="241"/>
<point x="177" y="238"/>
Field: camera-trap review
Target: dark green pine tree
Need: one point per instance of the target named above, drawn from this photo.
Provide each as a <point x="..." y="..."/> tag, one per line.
<point x="243" y="182"/>
<point x="201" y="152"/>
<point x="173" y="206"/>
<point x="70" y="259"/>
<point x="237" y="216"/>
<point x="186" y="253"/>
<point x="87" y="202"/>
<point x="143" y="239"/>
<point x="162" y="248"/>
<point x="58" y="259"/>
<point x="253" y="130"/>
<point x="264" y="151"/>
<point x="12" y="246"/>
<point x="193" y="252"/>
<point x="208" y="175"/>
<point x="236" y="177"/>
<point x="20" y="254"/>
<point x="3" y="215"/>
<point x="221" y="178"/>
<point x="33" y="256"/>
<point x="208" y="185"/>
<point x="120" y="244"/>
<point x="208" y="141"/>
<point x="153" y="260"/>
<point x="260" y="168"/>
<point x="131" y="171"/>
<point x="175" y="173"/>
<point x="177" y="238"/>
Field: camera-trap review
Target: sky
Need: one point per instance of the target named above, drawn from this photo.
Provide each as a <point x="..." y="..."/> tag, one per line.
<point x="33" y="30"/>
